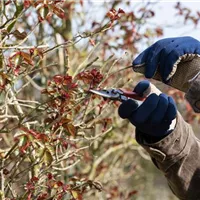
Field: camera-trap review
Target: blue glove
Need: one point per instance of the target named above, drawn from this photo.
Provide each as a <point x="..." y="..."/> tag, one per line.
<point x="162" y="55"/>
<point x="154" y="116"/>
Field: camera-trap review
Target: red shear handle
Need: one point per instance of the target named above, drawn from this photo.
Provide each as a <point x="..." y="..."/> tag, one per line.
<point x="132" y="95"/>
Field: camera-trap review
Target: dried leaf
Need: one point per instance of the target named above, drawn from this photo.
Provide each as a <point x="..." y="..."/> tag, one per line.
<point x="4" y="79"/>
<point x="19" y="35"/>
<point x="70" y="128"/>
<point x="48" y="158"/>
<point x="74" y="194"/>
<point x="27" y="58"/>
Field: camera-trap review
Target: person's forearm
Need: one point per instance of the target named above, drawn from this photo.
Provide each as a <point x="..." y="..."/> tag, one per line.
<point x="177" y="156"/>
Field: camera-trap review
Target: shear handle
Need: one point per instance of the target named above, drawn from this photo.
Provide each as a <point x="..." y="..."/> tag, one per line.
<point x="132" y="95"/>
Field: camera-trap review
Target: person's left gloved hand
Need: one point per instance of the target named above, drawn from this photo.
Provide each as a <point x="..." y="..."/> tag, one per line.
<point x="176" y="62"/>
<point x="164" y="56"/>
<point x="154" y="116"/>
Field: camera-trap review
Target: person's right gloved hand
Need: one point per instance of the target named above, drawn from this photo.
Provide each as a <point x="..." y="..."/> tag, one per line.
<point x="154" y="116"/>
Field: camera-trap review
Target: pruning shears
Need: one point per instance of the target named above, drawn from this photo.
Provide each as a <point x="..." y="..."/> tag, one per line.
<point x="119" y="95"/>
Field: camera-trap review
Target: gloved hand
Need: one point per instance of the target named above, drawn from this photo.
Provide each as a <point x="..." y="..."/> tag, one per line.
<point x="154" y="116"/>
<point x="176" y="62"/>
<point x="163" y="55"/>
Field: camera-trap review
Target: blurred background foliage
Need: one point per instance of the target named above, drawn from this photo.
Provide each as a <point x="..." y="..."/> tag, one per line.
<point x="57" y="140"/>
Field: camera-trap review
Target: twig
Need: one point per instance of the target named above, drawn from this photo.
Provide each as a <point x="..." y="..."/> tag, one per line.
<point x="61" y="53"/>
<point x="65" y="44"/>
<point x="9" y="116"/>
<point x="25" y="47"/>
<point x="78" y="69"/>
<point x="68" y="167"/>
<point x="2" y="180"/>
<point x="99" y="135"/>
<point x="17" y="106"/>
<point x="23" y="105"/>
<point x="28" y="101"/>
<point x="106" y="154"/>
<point x="26" y="84"/>
<point x="36" y="86"/>
<point x="14" y="195"/>
<point x="24" y="40"/>
<point x="70" y="153"/>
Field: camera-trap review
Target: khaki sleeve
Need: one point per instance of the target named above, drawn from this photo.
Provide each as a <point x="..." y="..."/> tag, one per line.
<point x="178" y="157"/>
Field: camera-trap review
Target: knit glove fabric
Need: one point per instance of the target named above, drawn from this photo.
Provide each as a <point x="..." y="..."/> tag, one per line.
<point x="154" y="116"/>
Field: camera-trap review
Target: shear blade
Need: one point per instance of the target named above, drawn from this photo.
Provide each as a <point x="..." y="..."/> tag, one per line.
<point x="103" y="93"/>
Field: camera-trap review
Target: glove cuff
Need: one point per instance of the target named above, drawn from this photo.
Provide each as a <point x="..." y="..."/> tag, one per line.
<point x="184" y="70"/>
<point x="193" y="94"/>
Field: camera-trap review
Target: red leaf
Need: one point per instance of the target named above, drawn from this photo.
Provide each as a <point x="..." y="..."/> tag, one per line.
<point x="92" y="42"/>
<point x="27" y="3"/>
<point x="121" y="11"/>
<point x="16" y="70"/>
<point x="92" y="77"/>
<point x="36" y="135"/>
<point x="110" y="14"/>
<point x="8" y="2"/>
<point x="130" y="194"/>
<point x="29" y="196"/>
<point x="81" y="2"/>
<point x="159" y="31"/>
<point x="34" y="179"/>
<point x="59" y="12"/>
<point x="42" y="196"/>
<point x="58" y="79"/>
<point x="59" y="183"/>
<point x="60" y="197"/>
<point x="50" y="176"/>
<point x="6" y="171"/>
<point x="23" y="148"/>
<point x="30" y="186"/>
<point x="113" y="11"/>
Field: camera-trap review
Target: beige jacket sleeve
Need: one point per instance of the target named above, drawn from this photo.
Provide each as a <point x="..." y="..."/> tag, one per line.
<point x="178" y="157"/>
